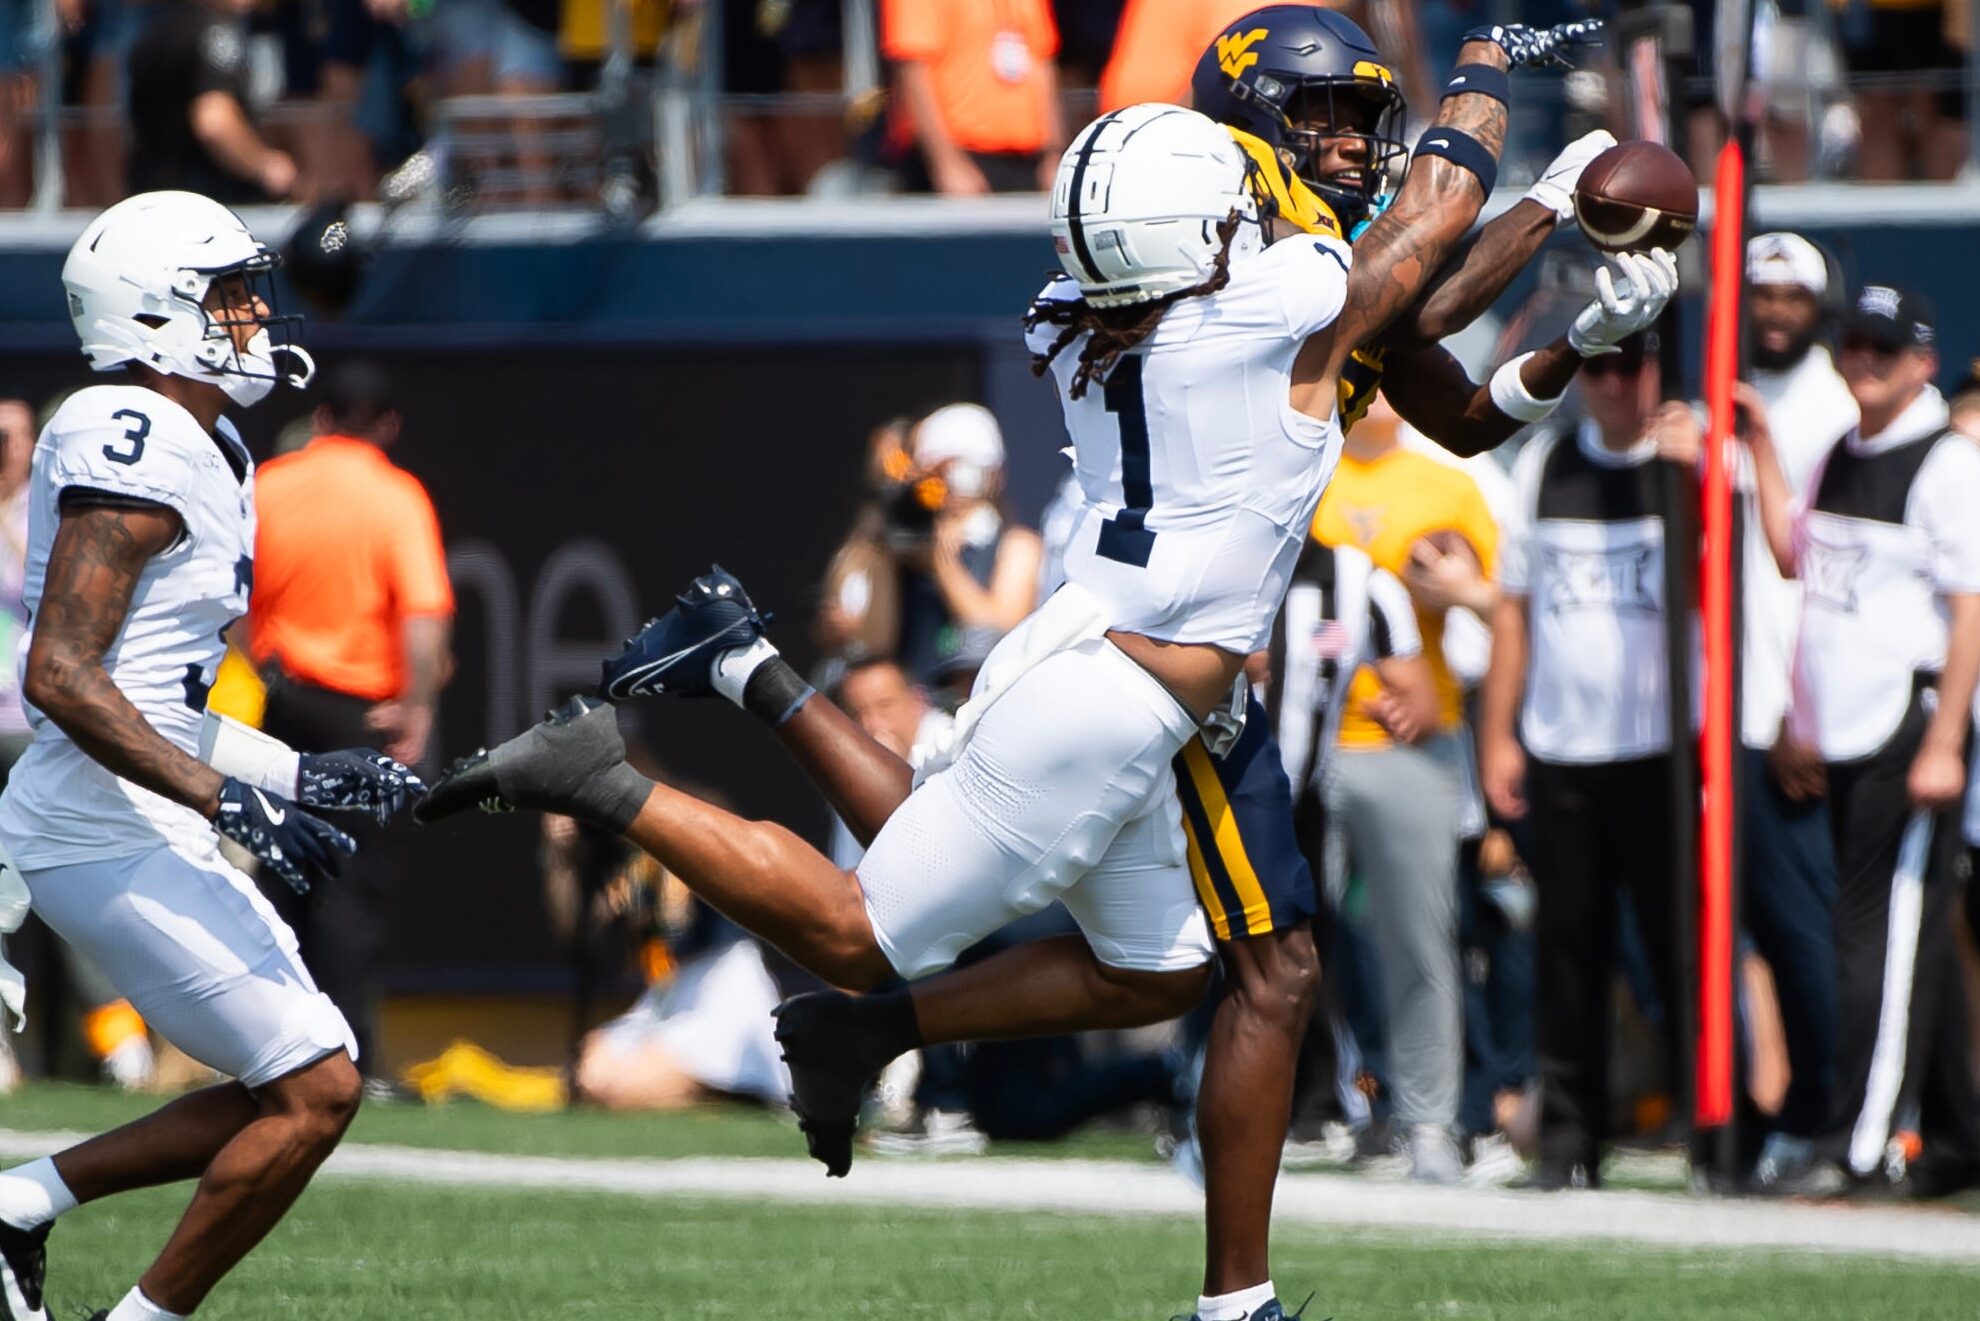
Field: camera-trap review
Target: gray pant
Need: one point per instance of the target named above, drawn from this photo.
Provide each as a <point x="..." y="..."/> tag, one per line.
<point x="1397" y="811"/>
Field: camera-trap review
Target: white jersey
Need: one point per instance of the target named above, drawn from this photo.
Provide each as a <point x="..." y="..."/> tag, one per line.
<point x="1197" y="478"/>
<point x="1809" y="409"/>
<point x="1586" y="549"/>
<point x="1888" y="533"/>
<point x="60" y="807"/>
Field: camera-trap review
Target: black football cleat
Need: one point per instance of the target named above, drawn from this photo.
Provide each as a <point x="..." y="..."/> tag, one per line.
<point x="834" y="1054"/>
<point x="573" y="762"/>
<point x="676" y="653"/>
<point x="23" y="1270"/>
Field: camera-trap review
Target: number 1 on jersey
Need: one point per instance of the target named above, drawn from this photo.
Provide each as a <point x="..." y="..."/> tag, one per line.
<point x="1125" y="537"/>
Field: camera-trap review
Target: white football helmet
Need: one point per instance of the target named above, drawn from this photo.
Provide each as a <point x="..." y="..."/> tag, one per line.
<point x="137" y="282"/>
<point x="1140" y="195"/>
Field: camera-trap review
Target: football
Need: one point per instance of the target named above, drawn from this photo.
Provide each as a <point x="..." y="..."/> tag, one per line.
<point x="1636" y="196"/>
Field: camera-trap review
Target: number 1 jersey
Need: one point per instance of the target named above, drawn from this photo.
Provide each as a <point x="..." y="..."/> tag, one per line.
<point x="1198" y="478"/>
<point x="127" y="443"/>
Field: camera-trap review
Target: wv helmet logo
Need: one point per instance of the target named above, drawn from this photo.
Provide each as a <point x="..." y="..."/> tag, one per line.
<point x="1235" y="53"/>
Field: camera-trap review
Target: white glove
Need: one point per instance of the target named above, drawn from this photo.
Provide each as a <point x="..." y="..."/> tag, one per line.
<point x="1554" y="189"/>
<point x="1626" y="302"/>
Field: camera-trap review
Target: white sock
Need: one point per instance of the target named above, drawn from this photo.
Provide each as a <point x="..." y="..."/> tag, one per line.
<point x="734" y="666"/>
<point x="33" y="1194"/>
<point x="1224" y="1307"/>
<point x="136" y="1307"/>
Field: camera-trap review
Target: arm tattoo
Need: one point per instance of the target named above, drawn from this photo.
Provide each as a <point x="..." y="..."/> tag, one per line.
<point x="93" y="571"/>
<point x="1396" y="259"/>
<point x="1473" y="280"/>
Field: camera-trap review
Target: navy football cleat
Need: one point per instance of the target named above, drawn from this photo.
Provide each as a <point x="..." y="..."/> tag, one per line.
<point x="23" y="1270"/>
<point x="676" y="653"/>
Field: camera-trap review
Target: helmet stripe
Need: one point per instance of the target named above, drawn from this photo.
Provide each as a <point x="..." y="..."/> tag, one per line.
<point x="1075" y="225"/>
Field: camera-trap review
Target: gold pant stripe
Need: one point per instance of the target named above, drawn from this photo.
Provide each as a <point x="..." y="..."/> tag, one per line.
<point x="1257" y="909"/>
<point x="1205" y="890"/>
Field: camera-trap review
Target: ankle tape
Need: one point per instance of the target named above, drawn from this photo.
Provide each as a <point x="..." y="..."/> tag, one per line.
<point x="614" y="799"/>
<point x="775" y="691"/>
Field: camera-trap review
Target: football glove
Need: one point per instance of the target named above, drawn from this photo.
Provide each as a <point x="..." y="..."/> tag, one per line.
<point x="1554" y="189"/>
<point x="299" y="848"/>
<point x="1629" y="300"/>
<point x="356" y="780"/>
<point x="1539" y="48"/>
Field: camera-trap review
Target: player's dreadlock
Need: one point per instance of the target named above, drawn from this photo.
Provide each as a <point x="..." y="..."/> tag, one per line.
<point x="1112" y="331"/>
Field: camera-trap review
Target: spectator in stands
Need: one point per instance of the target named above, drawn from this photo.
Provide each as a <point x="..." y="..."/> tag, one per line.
<point x="349" y="623"/>
<point x="1576" y="728"/>
<point x="1790" y="869"/>
<point x="358" y="35"/>
<point x="96" y="37"/>
<point x="945" y="557"/>
<point x="19" y="89"/>
<point x="188" y="108"/>
<point x="1909" y="93"/>
<point x="1158" y="45"/>
<point x="979" y="91"/>
<point x="1887" y="548"/>
<point x="1396" y="793"/>
<point x="877" y="693"/>
<point x="753" y="67"/>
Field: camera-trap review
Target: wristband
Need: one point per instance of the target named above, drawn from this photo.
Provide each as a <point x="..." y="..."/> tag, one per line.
<point x="1511" y="397"/>
<point x="247" y="754"/>
<point x="1484" y="79"/>
<point x="1462" y="150"/>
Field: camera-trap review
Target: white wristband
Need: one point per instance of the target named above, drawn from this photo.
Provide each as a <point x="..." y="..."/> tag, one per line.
<point x="249" y="755"/>
<point x="1511" y="397"/>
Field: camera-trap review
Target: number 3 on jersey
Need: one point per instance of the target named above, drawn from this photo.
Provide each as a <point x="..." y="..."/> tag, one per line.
<point x="133" y="437"/>
<point x="1125" y="537"/>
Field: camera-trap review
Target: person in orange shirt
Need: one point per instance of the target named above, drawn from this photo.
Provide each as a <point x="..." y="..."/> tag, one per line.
<point x="1397" y="792"/>
<point x="1158" y="45"/>
<point x="978" y="93"/>
<point x="349" y="624"/>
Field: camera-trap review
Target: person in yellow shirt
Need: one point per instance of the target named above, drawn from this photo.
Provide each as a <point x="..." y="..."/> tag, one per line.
<point x="1396" y="791"/>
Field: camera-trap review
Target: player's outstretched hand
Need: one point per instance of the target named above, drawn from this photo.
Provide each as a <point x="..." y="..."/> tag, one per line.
<point x="1540" y="48"/>
<point x="1554" y="189"/>
<point x="300" y="849"/>
<point x="1630" y="294"/>
<point x="357" y="780"/>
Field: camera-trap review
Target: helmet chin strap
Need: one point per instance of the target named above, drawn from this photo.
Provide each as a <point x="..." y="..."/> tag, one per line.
<point x="301" y="372"/>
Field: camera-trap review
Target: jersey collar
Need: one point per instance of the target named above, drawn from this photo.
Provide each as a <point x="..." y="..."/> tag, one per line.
<point x="1588" y="437"/>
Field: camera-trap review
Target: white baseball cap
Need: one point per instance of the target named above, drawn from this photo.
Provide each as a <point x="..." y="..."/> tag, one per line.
<point x="966" y="433"/>
<point x="1784" y="258"/>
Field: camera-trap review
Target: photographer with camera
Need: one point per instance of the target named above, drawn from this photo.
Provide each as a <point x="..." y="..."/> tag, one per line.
<point x="939" y="555"/>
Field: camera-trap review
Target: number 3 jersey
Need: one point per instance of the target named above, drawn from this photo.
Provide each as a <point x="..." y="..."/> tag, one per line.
<point x="128" y="443"/>
<point x="1197" y="477"/>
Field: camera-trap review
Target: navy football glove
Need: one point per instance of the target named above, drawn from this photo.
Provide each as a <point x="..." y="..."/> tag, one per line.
<point x="1540" y="48"/>
<point x="357" y="780"/>
<point x="295" y="844"/>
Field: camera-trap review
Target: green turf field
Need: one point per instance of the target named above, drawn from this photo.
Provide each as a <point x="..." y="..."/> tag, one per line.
<point x="366" y="1253"/>
<point x="365" y="1250"/>
<point x="468" y="1126"/>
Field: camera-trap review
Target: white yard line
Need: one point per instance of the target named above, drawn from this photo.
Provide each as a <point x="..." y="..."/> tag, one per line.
<point x="1124" y="1189"/>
